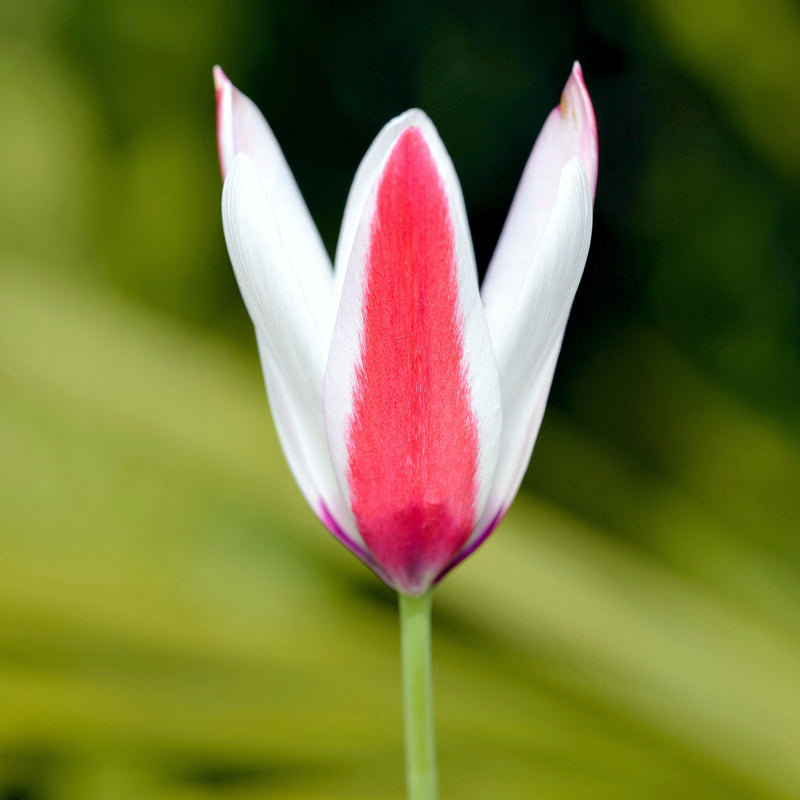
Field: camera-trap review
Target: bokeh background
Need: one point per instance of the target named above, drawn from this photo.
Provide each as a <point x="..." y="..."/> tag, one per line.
<point x="174" y="623"/>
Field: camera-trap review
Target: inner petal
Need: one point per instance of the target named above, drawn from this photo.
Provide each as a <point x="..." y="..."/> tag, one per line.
<point x="412" y="437"/>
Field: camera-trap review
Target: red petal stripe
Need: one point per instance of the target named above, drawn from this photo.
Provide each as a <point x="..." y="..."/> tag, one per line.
<point x="412" y="437"/>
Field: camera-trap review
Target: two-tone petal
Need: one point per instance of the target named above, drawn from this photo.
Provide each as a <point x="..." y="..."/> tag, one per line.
<point x="412" y="401"/>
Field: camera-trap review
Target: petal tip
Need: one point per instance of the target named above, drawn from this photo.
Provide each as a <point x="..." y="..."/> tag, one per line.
<point x="576" y="108"/>
<point x="221" y="80"/>
<point x="575" y="102"/>
<point x="413" y="118"/>
<point x="223" y="93"/>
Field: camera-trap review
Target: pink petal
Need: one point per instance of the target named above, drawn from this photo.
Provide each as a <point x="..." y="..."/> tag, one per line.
<point x="359" y="193"/>
<point x="411" y="395"/>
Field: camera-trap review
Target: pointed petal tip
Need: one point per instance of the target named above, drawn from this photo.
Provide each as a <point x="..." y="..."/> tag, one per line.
<point x="576" y="107"/>
<point x="575" y="101"/>
<point x="411" y="117"/>
<point x="220" y="78"/>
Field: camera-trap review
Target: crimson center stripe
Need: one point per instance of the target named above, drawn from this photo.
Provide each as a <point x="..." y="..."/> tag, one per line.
<point x="412" y="435"/>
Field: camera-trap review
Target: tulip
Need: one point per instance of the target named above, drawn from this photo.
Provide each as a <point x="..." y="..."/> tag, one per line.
<point x="407" y="399"/>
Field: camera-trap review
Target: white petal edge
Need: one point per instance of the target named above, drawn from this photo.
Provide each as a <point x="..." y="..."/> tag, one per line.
<point x="242" y="128"/>
<point x="363" y="182"/>
<point x="291" y="346"/>
<point x="479" y="360"/>
<point x="570" y="130"/>
<point x="528" y="345"/>
<point x="299" y="437"/>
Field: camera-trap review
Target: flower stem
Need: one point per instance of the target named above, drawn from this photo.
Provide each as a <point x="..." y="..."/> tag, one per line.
<point x="415" y="642"/>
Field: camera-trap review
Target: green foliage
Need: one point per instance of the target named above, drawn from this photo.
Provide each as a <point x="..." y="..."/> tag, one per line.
<point x="176" y="624"/>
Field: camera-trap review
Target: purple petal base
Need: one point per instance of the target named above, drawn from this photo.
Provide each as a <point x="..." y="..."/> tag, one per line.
<point x="468" y="551"/>
<point x="354" y="547"/>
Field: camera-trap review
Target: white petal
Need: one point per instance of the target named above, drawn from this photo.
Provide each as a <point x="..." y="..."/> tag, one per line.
<point x="291" y="345"/>
<point x="528" y="344"/>
<point x="569" y="131"/>
<point x="301" y="434"/>
<point x="241" y="128"/>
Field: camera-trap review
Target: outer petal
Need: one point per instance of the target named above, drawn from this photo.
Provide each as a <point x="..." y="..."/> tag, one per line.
<point x="292" y="347"/>
<point x="528" y="346"/>
<point x="241" y="128"/>
<point x="411" y="397"/>
<point x="569" y="131"/>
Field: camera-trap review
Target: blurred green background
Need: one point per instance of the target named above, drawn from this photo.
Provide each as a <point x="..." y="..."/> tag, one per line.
<point x="175" y="624"/>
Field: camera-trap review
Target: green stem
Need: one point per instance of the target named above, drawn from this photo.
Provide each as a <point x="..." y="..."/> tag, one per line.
<point x="415" y="641"/>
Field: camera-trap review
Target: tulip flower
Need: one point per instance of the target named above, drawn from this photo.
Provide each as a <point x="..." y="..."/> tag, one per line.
<point x="407" y="399"/>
